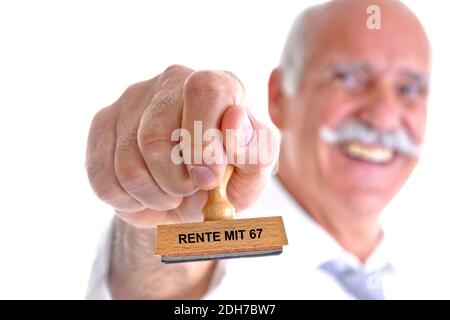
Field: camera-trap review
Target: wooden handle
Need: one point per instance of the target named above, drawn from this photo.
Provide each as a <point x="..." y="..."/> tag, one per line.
<point x="218" y="207"/>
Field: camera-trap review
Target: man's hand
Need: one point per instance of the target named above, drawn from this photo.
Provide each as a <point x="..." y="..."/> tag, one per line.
<point x="129" y="148"/>
<point x="130" y="167"/>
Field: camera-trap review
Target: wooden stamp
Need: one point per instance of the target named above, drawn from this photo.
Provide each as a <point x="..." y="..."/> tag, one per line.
<point x="220" y="236"/>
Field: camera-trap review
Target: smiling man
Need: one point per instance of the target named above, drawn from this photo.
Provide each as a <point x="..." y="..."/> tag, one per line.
<point x="350" y="103"/>
<point x="370" y="88"/>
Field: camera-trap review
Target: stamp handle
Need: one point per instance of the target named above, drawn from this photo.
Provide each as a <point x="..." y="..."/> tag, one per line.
<point x="218" y="207"/>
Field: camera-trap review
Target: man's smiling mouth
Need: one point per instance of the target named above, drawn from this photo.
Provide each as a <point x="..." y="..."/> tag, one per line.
<point x="369" y="153"/>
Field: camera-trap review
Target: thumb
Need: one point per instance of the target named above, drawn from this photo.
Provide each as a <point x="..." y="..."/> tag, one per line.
<point x="252" y="148"/>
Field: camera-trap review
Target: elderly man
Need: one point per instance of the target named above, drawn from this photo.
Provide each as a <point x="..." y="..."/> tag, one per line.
<point x="350" y="103"/>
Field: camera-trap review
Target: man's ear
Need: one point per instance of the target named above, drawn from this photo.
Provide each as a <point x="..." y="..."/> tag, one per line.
<point x="276" y="98"/>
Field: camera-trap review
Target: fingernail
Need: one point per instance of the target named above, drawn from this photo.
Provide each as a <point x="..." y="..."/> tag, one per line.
<point x="247" y="130"/>
<point x="203" y="177"/>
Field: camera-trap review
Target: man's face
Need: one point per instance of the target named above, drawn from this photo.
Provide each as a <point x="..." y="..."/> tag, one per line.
<point x="376" y="77"/>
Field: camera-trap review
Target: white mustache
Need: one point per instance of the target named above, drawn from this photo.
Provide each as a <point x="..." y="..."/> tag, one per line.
<point x="355" y="130"/>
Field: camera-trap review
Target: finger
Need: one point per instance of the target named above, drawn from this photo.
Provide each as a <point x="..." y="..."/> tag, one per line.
<point x="206" y="96"/>
<point x="190" y="210"/>
<point x="148" y="218"/>
<point x="160" y="120"/>
<point x="100" y="162"/>
<point x="253" y="149"/>
<point x="131" y="170"/>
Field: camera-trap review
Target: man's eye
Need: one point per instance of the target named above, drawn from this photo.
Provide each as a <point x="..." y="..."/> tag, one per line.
<point x="410" y="90"/>
<point x="349" y="79"/>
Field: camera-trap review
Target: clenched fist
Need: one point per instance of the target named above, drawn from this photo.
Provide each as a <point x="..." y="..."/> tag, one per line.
<point x="130" y="148"/>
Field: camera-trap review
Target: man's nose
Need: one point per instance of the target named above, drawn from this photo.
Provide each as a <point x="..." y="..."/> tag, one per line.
<point x="381" y="109"/>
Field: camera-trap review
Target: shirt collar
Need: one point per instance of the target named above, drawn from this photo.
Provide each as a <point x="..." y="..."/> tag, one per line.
<point x="317" y="246"/>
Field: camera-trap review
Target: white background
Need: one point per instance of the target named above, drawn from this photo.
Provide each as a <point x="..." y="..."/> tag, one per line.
<point x="61" y="61"/>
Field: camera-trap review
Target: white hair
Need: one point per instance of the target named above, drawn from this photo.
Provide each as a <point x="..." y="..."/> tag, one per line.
<point x="293" y="55"/>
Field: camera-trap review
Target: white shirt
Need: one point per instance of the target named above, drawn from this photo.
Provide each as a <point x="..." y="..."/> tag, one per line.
<point x="294" y="274"/>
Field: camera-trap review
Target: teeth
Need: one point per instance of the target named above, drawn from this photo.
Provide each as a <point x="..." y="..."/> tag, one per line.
<point x="368" y="153"/>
